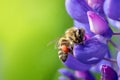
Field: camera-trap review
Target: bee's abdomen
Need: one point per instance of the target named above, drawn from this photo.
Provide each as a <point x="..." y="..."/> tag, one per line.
<point x="62" y="55"/>
<point x="63" y="47"/>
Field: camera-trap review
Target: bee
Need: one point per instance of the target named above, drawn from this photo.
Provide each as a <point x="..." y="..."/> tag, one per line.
<point x="66" y="42"/>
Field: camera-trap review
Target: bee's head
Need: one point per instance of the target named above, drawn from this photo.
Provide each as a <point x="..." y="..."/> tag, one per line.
<point x="80" y="35"/>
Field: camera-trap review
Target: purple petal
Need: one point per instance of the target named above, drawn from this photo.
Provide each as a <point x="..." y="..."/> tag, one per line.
<point x="91" y="3"/>
<point x="108" y="34"/>
<point x="97" y="6"/>
<point x="80" y="74"/>
<point x="101" y="38"/>
<point x="111" y="8"/>
<point x="67" y="73"/>
<point x="114" y="23"/>
<point x="89" y="76"/>
<point x="96" y="68"/>
<point x="62" y="78"/>
<point x="74" y="64"/>
<point x="118" y="59"/>
<point x="86" y="27"/>
<point x="77" y="9"/>
<point x="107" y="73"/>
<point x="91" y="52"/>
<point x="86" y="75"/>
<point x="98" y="25"/>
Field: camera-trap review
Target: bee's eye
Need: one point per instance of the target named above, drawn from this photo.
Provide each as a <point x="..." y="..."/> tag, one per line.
<point x="78" y="32"/>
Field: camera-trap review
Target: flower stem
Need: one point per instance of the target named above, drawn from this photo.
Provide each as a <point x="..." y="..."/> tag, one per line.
<point x="115" y="45"/>
<point x="110" y="60"/>
<point x="116" y="33"/>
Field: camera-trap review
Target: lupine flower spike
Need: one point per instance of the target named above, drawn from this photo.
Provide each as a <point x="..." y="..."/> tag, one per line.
<point x="85" y="47"/>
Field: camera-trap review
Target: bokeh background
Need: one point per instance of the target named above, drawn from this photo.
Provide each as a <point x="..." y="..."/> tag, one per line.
<point x="26" y="27"/>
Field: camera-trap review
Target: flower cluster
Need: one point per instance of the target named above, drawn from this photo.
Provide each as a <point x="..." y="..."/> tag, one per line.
<point x="95" y="17"/>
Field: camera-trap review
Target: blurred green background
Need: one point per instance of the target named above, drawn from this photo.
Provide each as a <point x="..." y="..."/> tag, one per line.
<point x="26" y="27"/>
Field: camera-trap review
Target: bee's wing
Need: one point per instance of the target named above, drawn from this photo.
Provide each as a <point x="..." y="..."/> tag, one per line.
<point x="54" y="41"/>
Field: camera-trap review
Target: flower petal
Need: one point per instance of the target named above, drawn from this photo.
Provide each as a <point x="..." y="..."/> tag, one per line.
<point x="114" y="23"/>
<point x="91" y="52"/>
<point x="118" y="59"/>
<point x="96" y="68"/>
<point x="77" y="9"/>
<point x="98" y="25"/>
<point x="111" y="8"/>
<point x="74" y="64"/>
<point x="91" y="3"/>
<point x="85" y="75"/>
<point x="107" y="73"/>
<point x="97" y="6"/>
<point x="67" y="73"/>
<point x="62" y="78"/>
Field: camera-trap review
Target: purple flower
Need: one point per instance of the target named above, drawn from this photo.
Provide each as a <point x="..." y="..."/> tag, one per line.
<point x="85" y="75"/>
<point x="75" y="75"/>
<point x="62" y="78"/>
<point x="114" y="23"/>
<point x="91" y="52"/>
<point x="98" y="25"/>
<point x="74" y="64"/>
<point x="108" y="73"/>
<point x="97" y="6"/>
<point x="92" y="3"/>
<point x="77" y="9"/>
<point x="96" y="68"/>
<point x="111" y="8"/>
<point x="67" y="73"/>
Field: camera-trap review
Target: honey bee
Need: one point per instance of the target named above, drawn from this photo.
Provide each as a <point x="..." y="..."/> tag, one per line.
<point x="66" y="42"/>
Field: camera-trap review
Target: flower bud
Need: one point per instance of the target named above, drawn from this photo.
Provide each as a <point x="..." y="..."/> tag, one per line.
<point x="98" y="25"/>
<point x="107" y="73"/>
